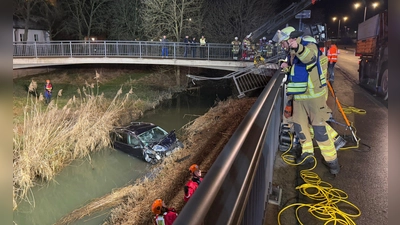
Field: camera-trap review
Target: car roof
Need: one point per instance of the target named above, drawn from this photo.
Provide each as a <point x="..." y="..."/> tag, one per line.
<point x="138" y="127"/>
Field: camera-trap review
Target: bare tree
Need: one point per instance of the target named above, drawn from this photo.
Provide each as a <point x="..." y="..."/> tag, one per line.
<point x="125" y="21"/>
<point x="84" y="16"/>
<point x="225" y="19"/>
<point x="24" y="10"/>
<point x="170" y="17"/>
<point x="51" y="16"/>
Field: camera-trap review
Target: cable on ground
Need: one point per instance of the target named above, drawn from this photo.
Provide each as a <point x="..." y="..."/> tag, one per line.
<point x="329" y="200"/>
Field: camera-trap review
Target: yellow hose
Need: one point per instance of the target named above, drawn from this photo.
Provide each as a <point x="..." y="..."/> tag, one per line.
<point x="328" y="198"/>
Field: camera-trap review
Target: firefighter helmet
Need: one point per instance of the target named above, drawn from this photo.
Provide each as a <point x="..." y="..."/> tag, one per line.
<point x="236" y="38"/>
<point x="193" y="168"/>
<point x="157" y="206"/>
<point x="283" y="35"/>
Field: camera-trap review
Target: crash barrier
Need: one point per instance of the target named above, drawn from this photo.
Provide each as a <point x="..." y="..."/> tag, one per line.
<point x="136" y="49"/>
<point x="236" y="188"/>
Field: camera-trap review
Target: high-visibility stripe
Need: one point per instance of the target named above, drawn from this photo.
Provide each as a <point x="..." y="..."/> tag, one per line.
<point x="307" y="146"/>
<point x="310" y="95"/>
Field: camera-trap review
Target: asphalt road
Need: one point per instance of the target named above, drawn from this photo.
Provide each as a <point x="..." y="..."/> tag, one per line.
<point x="364" y="172"/>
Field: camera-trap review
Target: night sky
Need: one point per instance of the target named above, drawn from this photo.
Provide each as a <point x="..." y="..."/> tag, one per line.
<point x="342" y="8"/>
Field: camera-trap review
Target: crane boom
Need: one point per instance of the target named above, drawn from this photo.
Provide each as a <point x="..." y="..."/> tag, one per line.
<point x="280" y="19"/>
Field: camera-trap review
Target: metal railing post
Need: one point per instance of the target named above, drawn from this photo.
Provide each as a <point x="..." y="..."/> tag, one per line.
<point x="70" y="48"/>
<point x="117" y="48"/>
<point x="208" y="51"/>
<point x="174" y="50"/>
<point x="62" y="49"/>
<point x="105" y="49"/>
<point x="140" y="49"/>
<point x="35" y="49"/>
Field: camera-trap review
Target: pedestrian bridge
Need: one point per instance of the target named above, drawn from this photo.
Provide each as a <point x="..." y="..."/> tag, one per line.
<point x="37" y="54"/>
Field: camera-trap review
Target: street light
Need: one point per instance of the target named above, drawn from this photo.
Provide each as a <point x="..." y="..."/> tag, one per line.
<point x="338" y="29"/>
<point x="356" y="5"/>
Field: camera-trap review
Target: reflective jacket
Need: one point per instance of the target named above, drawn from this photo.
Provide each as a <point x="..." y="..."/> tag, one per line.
<point x="333" y="53"/>
<point x="306" y="74"/>
<point x="192" y="185"/>
<point x="236" y="46"/>
<point x="166" y="218"/>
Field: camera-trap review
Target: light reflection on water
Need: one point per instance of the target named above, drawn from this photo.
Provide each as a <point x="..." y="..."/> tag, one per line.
<point x="94" y="177"/>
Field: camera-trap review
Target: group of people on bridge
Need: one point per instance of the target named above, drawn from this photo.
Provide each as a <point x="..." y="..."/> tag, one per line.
<point x="249" y="51"/>
<point x="191" y="46"/>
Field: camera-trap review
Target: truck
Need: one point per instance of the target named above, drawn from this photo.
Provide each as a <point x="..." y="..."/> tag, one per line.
<point x="372" y="48"/>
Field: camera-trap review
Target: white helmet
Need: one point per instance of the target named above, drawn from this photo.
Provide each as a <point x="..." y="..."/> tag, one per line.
<point x="283" y="34"/>
<point x="236" y="38"/>
<point x="264" y="38"/>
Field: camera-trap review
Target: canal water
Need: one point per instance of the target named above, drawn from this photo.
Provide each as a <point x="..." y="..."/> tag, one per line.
<point x="97" y="175"/>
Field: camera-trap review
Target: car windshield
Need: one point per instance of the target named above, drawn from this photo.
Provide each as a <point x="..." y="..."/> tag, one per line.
<point x="152" y="136"/>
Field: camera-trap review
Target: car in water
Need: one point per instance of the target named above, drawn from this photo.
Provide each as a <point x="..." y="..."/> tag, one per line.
<point x="146" y="141"/>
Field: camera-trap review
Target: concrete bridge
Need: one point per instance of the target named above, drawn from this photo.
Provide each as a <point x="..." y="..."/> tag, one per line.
<point x="213" y="55"/>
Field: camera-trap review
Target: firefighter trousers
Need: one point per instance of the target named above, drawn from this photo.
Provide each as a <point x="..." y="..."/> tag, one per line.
<point x="315" y="112"/>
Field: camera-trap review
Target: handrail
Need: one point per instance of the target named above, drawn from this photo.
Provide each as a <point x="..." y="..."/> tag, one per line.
<point x="223" y="195"/>
<point x="126" y="49"/>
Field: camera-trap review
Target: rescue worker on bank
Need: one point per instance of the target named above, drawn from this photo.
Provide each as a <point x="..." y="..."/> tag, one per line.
<point x="235" y="48"/>
<point x="48" y="88"/>
<point x="333" y="57"/>
<point x="163" y="215"/>
<point x="306" y="88"/>
<point x="192" y="185"/>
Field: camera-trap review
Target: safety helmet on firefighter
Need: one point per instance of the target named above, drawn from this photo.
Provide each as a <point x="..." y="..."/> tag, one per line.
<point x="283" y="35"/>
<point x="157" y="206"/>
<point x="270" y="41"/>
<point x="193" y="168"/>
<point x="264" y="38"/>
<point x="236" y="38"/>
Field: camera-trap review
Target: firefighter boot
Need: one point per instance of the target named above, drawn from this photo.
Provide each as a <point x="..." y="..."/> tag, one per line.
<point x="305" y="158"/>
<point x="333" y="166"/>
<point x="339" y="142"/>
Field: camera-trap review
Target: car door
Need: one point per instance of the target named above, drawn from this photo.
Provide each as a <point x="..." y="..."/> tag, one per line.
<point x="128" y="143"/>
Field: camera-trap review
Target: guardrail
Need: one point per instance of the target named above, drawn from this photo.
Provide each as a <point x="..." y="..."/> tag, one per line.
<point x="237" y="186"/>
<point x="137" y="49"/>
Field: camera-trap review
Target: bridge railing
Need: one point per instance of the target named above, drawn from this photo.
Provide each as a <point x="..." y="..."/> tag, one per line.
<point x="137" y="49"/>
<point x="236" y="188"/>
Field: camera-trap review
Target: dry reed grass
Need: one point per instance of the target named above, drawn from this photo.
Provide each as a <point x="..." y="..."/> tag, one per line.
<point x="51" y="138"/>
<point x="205" y="138"/>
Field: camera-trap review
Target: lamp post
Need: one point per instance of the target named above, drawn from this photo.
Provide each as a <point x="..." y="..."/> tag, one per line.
<point x="356" y="5"/>
<point x="338" y="29"/>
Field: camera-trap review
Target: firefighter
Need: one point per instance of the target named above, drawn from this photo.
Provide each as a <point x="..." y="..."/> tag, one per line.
<point x="269" y="48"/>
<point x="246" y="48"/>
<point x="192" y="185"/>
<point x="307" y="89"/>
<point x="163" y="215"/>
<point x="235" y="48"/>
<point x="263" y="45"/>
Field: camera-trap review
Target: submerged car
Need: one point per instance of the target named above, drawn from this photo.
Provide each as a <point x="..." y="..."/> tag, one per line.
<point x="146" y="141"/>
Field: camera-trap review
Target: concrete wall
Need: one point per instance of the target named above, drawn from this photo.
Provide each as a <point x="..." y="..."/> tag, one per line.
<point x="43" y="36"/>
<point x="17" y="73"/>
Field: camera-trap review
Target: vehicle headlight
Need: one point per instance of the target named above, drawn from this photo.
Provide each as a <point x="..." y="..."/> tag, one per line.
<point x="159" y="148"/>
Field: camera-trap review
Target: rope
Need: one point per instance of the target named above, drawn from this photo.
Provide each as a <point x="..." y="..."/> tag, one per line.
<point x="328" y="198"/>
